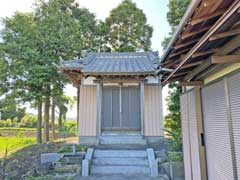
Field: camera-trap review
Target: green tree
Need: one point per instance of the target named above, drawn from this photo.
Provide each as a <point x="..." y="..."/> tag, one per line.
<point x="23" y="69"/>
<point x="172" y="121"/>
<point x="127" y="28"/>
<point x="35" y="43"/>
<point x="66" y="31"/>
<point x="176" y="10"/>
<point x="9" y="109"/>
<point x="63" y="102"/>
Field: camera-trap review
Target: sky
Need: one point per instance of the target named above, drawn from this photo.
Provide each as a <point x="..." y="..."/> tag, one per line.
<point x="155" y="11"/>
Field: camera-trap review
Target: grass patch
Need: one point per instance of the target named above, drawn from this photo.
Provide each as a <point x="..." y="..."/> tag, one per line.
<point x="16" y="129"/>
<point x="14" y="143"/>
<point x="26" y="159"/>
<point x="68" y="148"/>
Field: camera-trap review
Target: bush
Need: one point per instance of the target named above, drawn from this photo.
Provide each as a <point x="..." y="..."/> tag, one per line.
<point x="175" y="156"/>
<point x="6" y="123"/>
<point x="69" y="127"/>
<point x="29" y="121"/>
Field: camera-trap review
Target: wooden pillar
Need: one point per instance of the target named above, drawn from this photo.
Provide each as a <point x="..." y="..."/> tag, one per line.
<point x="120" y="102"/>
<point x="78" y="103"/>
<point x="200" y="133"/>
<point x="78" y="106"/>
<point x="99" y="107"/>
<point x="230" y="128"/>
<point x="142" y="106"/>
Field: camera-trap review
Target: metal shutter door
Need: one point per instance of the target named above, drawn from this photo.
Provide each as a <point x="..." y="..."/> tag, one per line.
<point x="131" y="108"/>
<point x="111" y="108"/>
<point x="217" y="141"/>
<point x="115" y="107"/>
<point x="185" y="137"/>
<point x="234" y="95"/>
<point x="107" y="108"/>
<point x="193" y="130"/>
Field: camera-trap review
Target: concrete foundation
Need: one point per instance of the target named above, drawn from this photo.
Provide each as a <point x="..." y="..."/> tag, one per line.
<point x="88" y="140"/>
<point x="153" y="139"/>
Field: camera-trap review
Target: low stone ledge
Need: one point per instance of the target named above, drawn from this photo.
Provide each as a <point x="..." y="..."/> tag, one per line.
<point x="50" y="157"/>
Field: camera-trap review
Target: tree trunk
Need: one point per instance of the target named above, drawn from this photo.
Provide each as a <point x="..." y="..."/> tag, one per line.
<point x="46" y="118"/>
<point x="78" y="104"/>
<point x="39" y="122"/>
<point x="60" y="118"/>
<point x="53" y="119"/>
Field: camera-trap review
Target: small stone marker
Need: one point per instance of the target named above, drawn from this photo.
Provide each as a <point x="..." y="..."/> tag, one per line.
<point x="50" y="157"/>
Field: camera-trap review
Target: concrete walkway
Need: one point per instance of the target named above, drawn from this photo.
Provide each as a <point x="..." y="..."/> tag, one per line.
<point x="120" y="177"/>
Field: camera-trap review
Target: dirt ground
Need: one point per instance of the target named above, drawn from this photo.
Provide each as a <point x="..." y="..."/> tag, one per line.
<point x="26" y="160"/>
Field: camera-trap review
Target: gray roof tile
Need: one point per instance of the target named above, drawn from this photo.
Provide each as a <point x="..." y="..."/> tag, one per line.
<point x="116" y="62"/>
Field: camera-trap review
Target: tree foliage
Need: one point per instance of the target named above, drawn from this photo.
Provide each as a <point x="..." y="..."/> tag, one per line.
<point x="176" y="10"/>
<point x="172" y="121"/>
<point x="33" y="44"/>
<point x="127" y="29"/>
<point x="9" y="109"/>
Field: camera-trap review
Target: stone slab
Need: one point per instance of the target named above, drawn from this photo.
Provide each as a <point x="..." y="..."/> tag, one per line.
<point x="152" y="163"/>
<point x="50" y="157"/>
<point x="120" y="153"/>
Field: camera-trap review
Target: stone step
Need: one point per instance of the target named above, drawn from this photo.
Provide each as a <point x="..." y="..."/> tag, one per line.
<point x="120" y="161"/>
<point x="122" y="139"/>
<point x="126" y="170"/>
<point x="120" y="153"/>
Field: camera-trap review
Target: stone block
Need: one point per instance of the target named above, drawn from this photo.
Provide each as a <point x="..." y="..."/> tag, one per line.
<point x="50" y="157"/>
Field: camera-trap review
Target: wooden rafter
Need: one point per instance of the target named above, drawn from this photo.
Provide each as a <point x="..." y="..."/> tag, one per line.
<point x="224" y="34"/>
<point x="73" y="76"/>
<point x="192" y="33"/>
<point x="225" y="17"/>
<point x="181" y="45"/>
<point x="180" y="74"/>
<point x="191" y="83"/>
<point x="192" y="64"/>
<point x="202" y="53"/>
<point x="206" y="18"/>
<point x="227" y="48"/>
<point x="225" y="59"/>
<point x="179" y="52"/>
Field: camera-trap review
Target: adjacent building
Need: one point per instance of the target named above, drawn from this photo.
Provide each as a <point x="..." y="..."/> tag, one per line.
<point x="204" y="57"/>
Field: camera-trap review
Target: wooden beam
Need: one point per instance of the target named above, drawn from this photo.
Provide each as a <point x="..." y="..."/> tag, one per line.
<point x="206" y="18"/>
<point x="171" y="63"/>
<point x="118" y="80"/>
<point x="178" y="46"/>
<point x="180" y="74"/>
<point x="179" y="53"/>
<point x="224" y="34"/>
<point x="191" y="83"/>
<point x="227" y="48"/>
<point x="202" y="53"/>
<point x="200" y="131"/>
<point x="192" y="64"/>
<point x="225" y="17"/>
<point x="225" y="59"/>
<point x="193" y="33"/>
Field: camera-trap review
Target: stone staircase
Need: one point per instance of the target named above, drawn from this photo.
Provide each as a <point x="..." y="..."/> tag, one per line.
<point x="127" y="162"/>
<point x="131" y="139"/>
